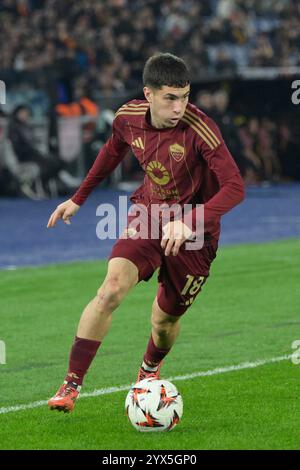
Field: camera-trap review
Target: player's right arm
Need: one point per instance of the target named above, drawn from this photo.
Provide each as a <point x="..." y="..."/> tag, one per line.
<point x="64" y="211"/>
<point x="109" y="157"/>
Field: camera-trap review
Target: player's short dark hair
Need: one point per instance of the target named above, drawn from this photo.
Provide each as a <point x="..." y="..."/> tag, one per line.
<point x="165" y="69"/>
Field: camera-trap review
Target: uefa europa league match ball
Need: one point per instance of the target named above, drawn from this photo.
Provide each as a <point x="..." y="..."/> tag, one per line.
<point x="154" y="405"/>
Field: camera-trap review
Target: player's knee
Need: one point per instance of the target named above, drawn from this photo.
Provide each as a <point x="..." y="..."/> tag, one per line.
<point x="110" y="294"/>
<point x="164" y="325"/>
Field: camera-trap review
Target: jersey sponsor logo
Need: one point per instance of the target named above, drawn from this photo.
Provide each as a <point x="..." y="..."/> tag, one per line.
<point x="162" y="193"/>
<point x="157" y="172"/>
<point x="177" y="152"/>
<point x="138" y="143"/>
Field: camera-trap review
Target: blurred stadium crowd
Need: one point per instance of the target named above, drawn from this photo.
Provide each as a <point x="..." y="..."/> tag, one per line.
<point x="119" y="35"/>
<point x="71" y="52"/>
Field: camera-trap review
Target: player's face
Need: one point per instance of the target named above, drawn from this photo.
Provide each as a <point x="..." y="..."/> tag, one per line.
<point x="167" y="105"/>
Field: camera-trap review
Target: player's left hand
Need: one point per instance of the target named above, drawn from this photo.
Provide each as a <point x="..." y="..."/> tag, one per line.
<point x="175" y="233"/>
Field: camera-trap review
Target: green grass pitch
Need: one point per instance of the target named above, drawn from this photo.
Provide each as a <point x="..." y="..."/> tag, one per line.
<point x="248" y="310"/>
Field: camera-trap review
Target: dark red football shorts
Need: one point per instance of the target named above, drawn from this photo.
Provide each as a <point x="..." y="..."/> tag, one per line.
<point x="180" y="277"/>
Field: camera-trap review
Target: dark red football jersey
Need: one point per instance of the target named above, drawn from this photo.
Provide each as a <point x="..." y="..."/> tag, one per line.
<point x="188" y="163"/>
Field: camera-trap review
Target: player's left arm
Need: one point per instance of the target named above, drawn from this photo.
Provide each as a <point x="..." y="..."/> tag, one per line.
<point x="220" y="161"/>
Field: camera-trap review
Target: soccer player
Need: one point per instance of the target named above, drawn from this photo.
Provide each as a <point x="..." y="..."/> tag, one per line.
<point x="185" y="161"/>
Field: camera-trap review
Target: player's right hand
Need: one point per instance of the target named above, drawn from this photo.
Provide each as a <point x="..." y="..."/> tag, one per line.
<point x="64" y="211"/>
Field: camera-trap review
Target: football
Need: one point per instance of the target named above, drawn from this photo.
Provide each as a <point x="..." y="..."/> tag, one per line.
<point x="154" y="405"/>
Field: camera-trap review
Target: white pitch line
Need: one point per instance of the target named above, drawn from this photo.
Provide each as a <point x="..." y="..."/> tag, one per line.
<point x="108" y="391"/>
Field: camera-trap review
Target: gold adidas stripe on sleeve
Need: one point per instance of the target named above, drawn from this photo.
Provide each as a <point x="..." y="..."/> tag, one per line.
<point x="135" y="110"/>
<point x="202" y="129"/>
<point x="131" y="112"/>
<point x="127" y="113"/>
<point x="133" y="105"/>
<point x="198" y="131"/>
<point x="204" y="125"/>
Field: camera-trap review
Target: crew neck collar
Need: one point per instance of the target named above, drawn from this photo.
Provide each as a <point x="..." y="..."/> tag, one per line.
<point x="147" y="120"/>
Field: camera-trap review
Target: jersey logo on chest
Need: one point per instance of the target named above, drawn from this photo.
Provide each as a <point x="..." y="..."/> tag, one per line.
<point x="138" y="143"/>
<point x="177" y="152"/>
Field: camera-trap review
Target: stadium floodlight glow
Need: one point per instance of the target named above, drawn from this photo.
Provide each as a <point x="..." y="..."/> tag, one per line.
<point x="2" y="92"/>
<point x="2" y="352"/>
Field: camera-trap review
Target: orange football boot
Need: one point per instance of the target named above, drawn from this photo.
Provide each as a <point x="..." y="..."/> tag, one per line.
<point x="146" y="374"/>
<point x="64" y="399"/>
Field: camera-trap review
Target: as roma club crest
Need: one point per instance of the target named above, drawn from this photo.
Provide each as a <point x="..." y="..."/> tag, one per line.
<point x="177" y="152"/>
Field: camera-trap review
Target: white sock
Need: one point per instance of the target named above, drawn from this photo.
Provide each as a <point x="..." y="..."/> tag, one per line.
<point x="149" y="368"/>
